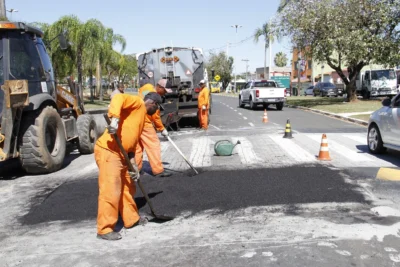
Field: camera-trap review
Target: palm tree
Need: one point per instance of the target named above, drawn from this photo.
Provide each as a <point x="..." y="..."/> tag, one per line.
<point x="85" y="37"/>
<point x="266" y="32"/>
<point x="110" y="39"/>
<point x="280" y="59"/>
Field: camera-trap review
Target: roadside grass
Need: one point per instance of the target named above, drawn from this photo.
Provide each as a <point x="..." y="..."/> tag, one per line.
<point x="363" y="117"/>
<point x="334" y="104"/>
<point x="97" y="104"/>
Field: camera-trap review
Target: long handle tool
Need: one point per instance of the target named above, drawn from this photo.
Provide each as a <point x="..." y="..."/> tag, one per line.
<point x="183" y="156"/>
<point x="130" y="166"/>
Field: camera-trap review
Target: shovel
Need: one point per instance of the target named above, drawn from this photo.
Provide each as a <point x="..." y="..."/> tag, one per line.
<point x="183" y="156"/>
<point x="128" y="162"/>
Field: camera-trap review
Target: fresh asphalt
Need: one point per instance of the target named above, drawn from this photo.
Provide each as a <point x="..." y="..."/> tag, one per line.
<point x="73" y="201"/>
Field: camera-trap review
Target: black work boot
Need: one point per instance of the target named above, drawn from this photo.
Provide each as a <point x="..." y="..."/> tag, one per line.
<point x="164" y="174"/>
<point x="110" y="236"/>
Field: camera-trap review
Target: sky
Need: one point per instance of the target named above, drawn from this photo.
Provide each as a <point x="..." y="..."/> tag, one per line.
<point x="153" y="24"/>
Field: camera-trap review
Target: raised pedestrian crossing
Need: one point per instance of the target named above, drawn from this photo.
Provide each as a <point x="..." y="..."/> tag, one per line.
<point x="272" y="150"/>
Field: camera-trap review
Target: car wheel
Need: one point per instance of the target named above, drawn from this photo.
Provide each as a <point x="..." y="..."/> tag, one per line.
<point x="375" y="143"/>
<point x="240" y="102"/>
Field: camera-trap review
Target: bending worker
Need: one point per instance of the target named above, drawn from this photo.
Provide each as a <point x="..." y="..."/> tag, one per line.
<point x="148" y="139"/>
<point x="116" y="188"/>
<point x="203" y="105"/>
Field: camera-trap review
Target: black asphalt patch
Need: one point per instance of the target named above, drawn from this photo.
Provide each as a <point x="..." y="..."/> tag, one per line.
<point x="217" y="190"/>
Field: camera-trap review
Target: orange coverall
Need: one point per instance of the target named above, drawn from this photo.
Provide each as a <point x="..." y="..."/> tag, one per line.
<point x="204" y="100"/>
<point x="148" y="139"/>
<point x="116" y="188"/>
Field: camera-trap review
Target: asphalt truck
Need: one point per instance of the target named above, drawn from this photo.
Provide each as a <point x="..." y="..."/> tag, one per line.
<point x="38" y="117"/>
<point x="184" y="68"/>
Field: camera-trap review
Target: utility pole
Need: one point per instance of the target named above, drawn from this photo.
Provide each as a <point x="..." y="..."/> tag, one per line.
<point x="3" y="15"/>
<point x="246" y="60"/>
<point x="298" y="69"/>
<point x="234" y="60"/>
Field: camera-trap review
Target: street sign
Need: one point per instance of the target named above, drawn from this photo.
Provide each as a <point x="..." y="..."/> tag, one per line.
<point x="217" y="78"/>
<point x="284" y="80"/>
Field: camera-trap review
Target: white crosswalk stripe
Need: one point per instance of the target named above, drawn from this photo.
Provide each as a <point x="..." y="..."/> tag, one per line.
<point x="272" y="150"/>
<point x="295" y="151"/>
<point x="246" y="152"/>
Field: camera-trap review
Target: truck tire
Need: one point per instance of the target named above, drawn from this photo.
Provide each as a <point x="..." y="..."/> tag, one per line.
<point x="241" y="102"/>
<point x="252" y="105"/>
<point x="87" y="133"/>
<point x="279" y="106"/>
<point x="43" y="144"/>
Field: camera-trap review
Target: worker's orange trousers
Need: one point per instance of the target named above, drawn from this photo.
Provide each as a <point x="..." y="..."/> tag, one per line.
<point x="151" y="144"/>
<point x="116" y="192"/>
<point x="203" y="118"/>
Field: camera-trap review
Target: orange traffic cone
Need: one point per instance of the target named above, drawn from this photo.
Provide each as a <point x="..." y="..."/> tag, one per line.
<point x="324" y="150"/>
<point x="265" y="118"/>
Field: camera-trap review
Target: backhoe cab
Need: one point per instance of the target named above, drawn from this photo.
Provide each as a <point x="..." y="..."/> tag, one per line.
<point x="37" y="117"/>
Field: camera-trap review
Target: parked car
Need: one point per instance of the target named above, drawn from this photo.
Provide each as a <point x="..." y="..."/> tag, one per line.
<point x="309" y="91"/>
<point x="384" y="127"/>
<point x="326" y="89"/>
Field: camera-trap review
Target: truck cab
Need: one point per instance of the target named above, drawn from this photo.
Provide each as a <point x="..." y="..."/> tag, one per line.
<point x="262" y="92"/>
<point x="377" y="83"/>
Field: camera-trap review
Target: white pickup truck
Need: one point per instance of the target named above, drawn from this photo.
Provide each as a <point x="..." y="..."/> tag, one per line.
<point x="262" y="92"/>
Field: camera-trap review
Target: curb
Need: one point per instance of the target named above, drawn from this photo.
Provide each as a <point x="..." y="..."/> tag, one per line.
<point x="97" y="111"/>
<point x="357" y="121"/>
<point x="389" y="174"/>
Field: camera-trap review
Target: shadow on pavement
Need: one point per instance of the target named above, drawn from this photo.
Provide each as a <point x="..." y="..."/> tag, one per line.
<point x="210" y="190"/>
<point x="391" y="156"/>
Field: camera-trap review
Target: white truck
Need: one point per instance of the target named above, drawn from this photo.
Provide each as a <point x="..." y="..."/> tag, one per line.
<point x="262" y="92"/>
<point x="377" y="83"/>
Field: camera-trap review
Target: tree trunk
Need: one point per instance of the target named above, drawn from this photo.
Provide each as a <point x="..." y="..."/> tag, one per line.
<point x="99" y="82"/>
<point x="79" y="66"/>
<point x="351" y="91"/>
<point x="91" y="84"/>
<point x="265" y="61"/>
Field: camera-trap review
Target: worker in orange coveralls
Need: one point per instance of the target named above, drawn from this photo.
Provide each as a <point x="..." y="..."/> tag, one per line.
<point x="149" y="140"/>
<point x="116" y="187"/>
<point x="203" y="105"/>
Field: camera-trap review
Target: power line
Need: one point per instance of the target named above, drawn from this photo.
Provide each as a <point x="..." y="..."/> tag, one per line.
<point x="230" y="44"/>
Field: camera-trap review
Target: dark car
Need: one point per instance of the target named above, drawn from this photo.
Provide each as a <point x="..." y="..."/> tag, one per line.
<point x="326" y="89"/>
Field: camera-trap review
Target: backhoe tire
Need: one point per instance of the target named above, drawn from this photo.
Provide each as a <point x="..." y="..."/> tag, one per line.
<point x="87" y="133"/>
<point x="43" y="144"/>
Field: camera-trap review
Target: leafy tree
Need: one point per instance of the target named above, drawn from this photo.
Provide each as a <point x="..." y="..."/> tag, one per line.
<point x="127" y="68"/>
<point x="222" y="65"/>
<point x="345" y="33"/>
<point x="265" y="32"/>
<point x="281" y="59"/>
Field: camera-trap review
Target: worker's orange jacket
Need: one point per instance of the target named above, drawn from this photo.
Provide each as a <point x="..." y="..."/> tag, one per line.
<point x="204" y="98"/>
<point x="154" y="119"/>
<point x="131" y="112"/>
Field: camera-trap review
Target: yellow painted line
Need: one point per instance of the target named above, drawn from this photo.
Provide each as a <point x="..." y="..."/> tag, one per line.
<point x="388" y="174"/>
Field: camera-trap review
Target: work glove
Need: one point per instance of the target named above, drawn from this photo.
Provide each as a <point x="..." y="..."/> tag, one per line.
<point x="135" y="175"/>
<point x="204" y="107"/>
<point x="164" y="133"/>
<point x="113" y="127"/>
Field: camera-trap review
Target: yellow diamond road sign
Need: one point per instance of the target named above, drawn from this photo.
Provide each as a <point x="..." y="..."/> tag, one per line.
<point x="217" y="78"/>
